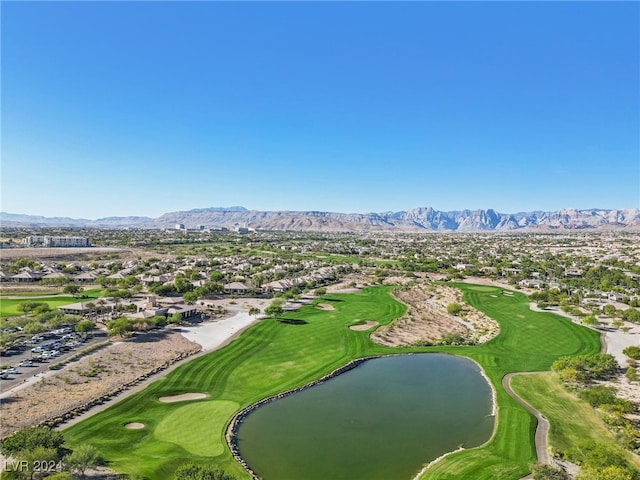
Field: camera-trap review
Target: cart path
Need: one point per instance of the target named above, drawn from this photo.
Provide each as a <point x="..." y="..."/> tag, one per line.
<point x="542" y="428"/>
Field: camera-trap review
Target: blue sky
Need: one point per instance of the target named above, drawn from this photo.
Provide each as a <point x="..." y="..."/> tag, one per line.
<point x="139" y="108"/>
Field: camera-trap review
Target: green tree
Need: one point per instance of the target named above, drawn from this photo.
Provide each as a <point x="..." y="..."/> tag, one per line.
<point x="632" y="374"/>
<point x="28" y="307"/>
<point x="176" y="318"/>
<point x="34" y="327"/>
<point x="83" y="458"/>
<point x="632" y="352"/>
<point x="37" y="457"/>
<point x="584" y="368"/>
<point x="72" y="289"/>
<point x="162" y="289"/>
<point x="254" y="311"/>
<point x="599" y="395"/>
<point x="40" y="309"/>
<point x="84" y="326"/>
<point x="216" y="276"/>
<point x="182" y="284"/>
<point x="612" y="472"/>
<point x="597" y="455"/>
<point x="190" y="297"/>
<point x="192" y="471"/>
<point x="30" y="438"/>
<point x="591" y="320"/>
<point x="158" y="321"/>
<point x="275" y="309"/>
<point x="320" y="291"/>
<point x="631" y="315"/>
<point x="119" y="327"/>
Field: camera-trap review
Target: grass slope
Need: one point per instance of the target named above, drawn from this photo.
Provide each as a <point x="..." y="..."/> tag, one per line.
<point x="573" y="421"/>
<point x="273" y="356"/>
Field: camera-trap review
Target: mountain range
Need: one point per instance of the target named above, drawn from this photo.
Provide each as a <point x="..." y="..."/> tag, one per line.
<point x="414" y="220"/>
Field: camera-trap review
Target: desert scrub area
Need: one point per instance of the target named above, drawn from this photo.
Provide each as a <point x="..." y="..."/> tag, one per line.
<point x="92" y="378"/>
<point x="436" y="315"/>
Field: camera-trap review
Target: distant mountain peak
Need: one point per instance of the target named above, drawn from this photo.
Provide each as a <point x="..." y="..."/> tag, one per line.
<point x="219" y="209"/>
<point x="418" y="219"/>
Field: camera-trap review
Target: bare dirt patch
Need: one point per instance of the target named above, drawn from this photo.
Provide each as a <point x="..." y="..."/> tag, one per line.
<point x="427" y="321"/>
<point x="88" y="381"/>
<point x="134" y="425"/>
<point x="365" y="326"/>
<point x="183" y="397"/>
<point x="325" y="306"/>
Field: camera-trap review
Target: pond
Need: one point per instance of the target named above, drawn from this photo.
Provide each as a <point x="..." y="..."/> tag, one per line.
<point x="382" y="420"/>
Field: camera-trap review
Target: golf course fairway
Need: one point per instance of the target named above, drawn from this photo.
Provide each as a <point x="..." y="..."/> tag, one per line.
<point x="274" y="356"/>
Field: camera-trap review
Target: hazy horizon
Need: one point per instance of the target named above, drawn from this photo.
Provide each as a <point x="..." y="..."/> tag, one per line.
<point x="231" y="208"/>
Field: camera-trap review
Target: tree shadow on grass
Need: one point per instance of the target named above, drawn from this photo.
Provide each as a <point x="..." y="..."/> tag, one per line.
<point x="293" y="321"/>
<point x="332" y="299"/>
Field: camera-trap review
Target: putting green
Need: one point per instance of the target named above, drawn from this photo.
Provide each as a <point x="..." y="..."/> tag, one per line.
<point x="197" y="427"/>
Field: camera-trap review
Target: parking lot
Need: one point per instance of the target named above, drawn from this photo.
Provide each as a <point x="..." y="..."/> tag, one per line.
<point x="34" y="355"/>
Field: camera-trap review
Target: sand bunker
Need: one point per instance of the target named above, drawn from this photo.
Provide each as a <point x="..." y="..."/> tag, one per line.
<point x="183" y="398"/>
<point x="325" y="306"/>
<point x="134" y="425"/>
<point x="364" y="326"/>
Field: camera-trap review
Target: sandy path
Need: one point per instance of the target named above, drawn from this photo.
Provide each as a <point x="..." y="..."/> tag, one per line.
<point x="213" y="335"/>
<point x="617" y="340"/>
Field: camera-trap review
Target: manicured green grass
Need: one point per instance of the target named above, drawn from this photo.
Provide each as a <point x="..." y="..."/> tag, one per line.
<point x="9" y="306"/>
<point x="572" y="421"/>
<point x="273" y="356"/>
<point x="206" y="422"/>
